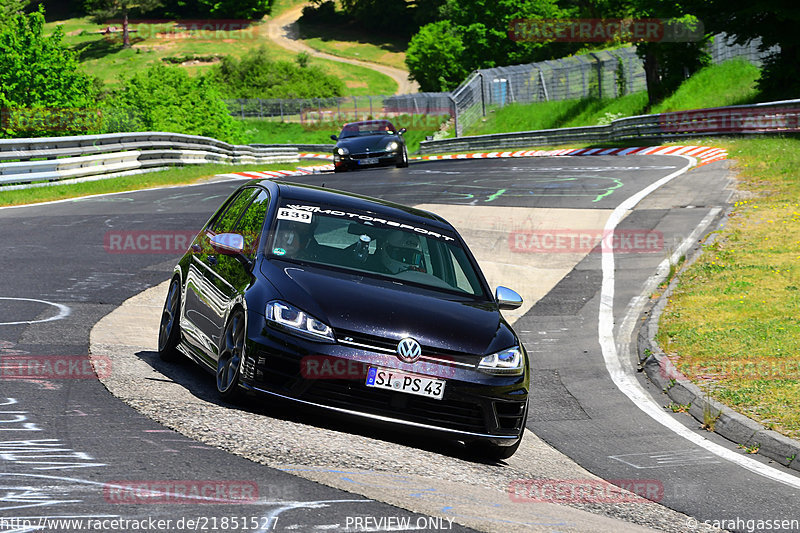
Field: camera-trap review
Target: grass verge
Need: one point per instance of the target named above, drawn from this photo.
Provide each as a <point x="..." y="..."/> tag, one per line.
<point x="729" y="83"/>
<point x="732" y="325"/>
<point x="176" y="176"/>
<point x="360" y="81"/>
<point x="355" y="43"/>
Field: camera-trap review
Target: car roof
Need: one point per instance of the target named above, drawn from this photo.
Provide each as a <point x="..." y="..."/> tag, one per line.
<point x="333" y="197"/>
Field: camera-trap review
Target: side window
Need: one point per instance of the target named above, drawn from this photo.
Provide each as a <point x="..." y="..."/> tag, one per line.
<point x="252" y="221"/>
<point x="226" y="222"/>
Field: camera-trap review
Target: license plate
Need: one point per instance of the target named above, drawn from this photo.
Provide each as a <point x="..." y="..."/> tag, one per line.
<point x="368" y="161"/>
<point x="398" y="381"/>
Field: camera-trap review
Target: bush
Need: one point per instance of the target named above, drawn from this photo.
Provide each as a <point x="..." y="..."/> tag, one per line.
<point x="165" y="98"/>
<point x="324" y="13"/>
<point x="40" y="86"/>
<point x="257" y="76"/>
<point x="218" y="9"/>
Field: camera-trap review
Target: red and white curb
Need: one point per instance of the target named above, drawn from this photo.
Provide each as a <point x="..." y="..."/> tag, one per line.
<point x="703" y="154"/>
<point x="329" y="157"/>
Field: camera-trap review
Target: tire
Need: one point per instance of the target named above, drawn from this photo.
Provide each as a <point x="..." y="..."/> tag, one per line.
<point x="169" y="333"/>
<point x="403" y="163"/>
<point x="340" y="169"/>
<point x="230" y="358"/>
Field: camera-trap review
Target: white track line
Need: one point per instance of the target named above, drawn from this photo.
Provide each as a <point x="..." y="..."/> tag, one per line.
<point x="63" y="311"/>
<point x="621" y="369"/>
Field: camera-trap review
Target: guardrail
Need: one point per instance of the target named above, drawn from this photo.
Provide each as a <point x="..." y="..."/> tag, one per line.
<point x="771" y="117"/>
<point x="24" y="161"/>
<point x="300" y="147"/>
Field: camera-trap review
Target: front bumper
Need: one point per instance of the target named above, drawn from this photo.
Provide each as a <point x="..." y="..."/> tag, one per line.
<point x="351" y="161"/>
<point x="475" y="406"/>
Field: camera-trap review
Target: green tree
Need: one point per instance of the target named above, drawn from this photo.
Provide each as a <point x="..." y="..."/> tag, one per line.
<point x="62" y="9"/>
<point x="475" y="34"/>
<point x="776" y="23"/>
<point x="392" y="15"/>
<point x="237" y="9"/>
<point x="11" y="7"/>
<point x="105" y="9"/>
<point x="484" y="25"/>
<point x="668" y="64"/>
<point x="38" y="71"/>
<point x="165" y="98"/>
<point x="435" y="57"/>
<point x="247" y="9"/>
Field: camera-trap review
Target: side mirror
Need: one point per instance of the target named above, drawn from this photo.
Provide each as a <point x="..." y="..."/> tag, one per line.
<point x="507" y="299"/>
<point x="227" y="243"/>
<point x="402" y="131"/>
<point x="334" y="138"/>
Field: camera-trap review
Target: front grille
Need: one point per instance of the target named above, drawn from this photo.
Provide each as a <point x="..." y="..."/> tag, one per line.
<point x="369" y="154"/>
<point x="378" y="344"/>
<point x="445" y="413"/>
<point x="387" y="345"/>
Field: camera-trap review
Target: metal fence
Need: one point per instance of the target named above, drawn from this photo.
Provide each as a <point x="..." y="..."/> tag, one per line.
<point x="315" y="110"/>
<point x="604" y="74"/>
<point x="770" y="117"/>
<point x="723" y="48"/>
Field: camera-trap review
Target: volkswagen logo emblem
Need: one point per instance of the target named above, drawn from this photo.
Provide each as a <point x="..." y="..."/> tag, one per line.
<point x="408" y="350"/>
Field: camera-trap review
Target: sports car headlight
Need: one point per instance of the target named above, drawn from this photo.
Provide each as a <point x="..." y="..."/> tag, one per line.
<point x="298" y="322"/>
<point x="392" y="146"/>
<point x="505" y="363"/>
<point x="342" y="150"/>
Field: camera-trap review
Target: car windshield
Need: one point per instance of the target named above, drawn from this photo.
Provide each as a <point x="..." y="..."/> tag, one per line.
<point x="370" y="127"/>
<point x="364" y="242"/>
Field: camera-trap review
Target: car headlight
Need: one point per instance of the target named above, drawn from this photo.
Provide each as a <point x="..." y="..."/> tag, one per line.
<point x="298" y="322"/>
<point x="508" y="362"/>
<point x="342" y="150"/>
<point x="392" y="146"/>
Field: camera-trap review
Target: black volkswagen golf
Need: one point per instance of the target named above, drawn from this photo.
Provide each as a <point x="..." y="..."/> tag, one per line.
<point x="354" y="305"/>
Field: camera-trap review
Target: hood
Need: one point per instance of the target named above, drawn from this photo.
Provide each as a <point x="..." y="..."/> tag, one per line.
<point x="390" y="310"/>
<point x="375" y="143"/>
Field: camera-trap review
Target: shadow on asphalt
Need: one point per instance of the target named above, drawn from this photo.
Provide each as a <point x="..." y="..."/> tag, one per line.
<point x="201" y="385"/>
